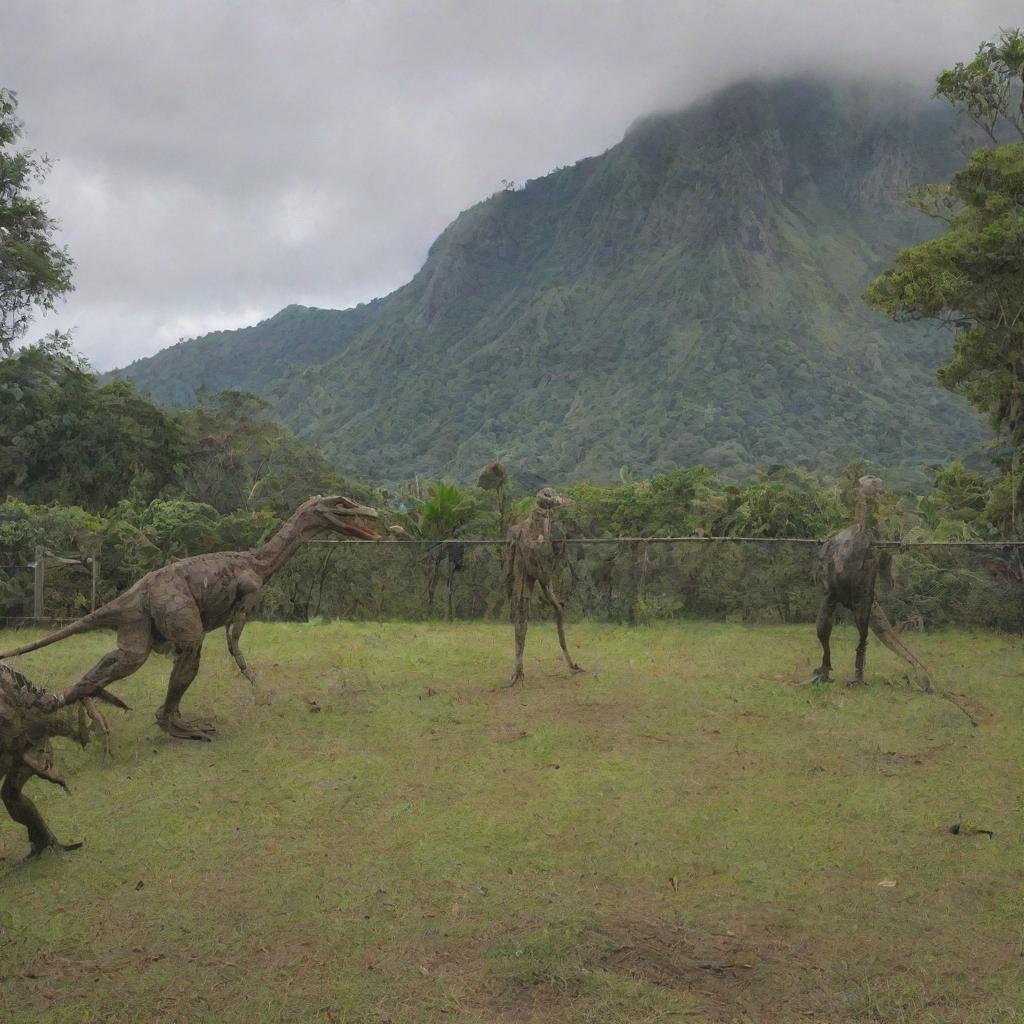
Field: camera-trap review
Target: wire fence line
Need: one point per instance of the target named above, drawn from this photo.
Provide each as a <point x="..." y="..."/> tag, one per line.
<point x="689" y="539"/>
<point x="625" y="579"/>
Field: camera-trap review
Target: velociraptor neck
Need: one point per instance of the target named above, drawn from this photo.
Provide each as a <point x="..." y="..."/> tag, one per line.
<point x="275" y="554"/>
<point x="541" y="519"/>
<point x="866" y="513"/>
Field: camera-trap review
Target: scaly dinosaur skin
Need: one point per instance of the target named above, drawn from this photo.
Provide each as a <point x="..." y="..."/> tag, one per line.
<point x="29" y="717"/>
<point x="532" y="558"/>
<point x="849" y="569"/>
<point x="170" y="610"/>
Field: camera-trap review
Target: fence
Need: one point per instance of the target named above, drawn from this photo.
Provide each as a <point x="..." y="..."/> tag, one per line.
<point x="24" y="587"/>
<point x="622" y="579"/>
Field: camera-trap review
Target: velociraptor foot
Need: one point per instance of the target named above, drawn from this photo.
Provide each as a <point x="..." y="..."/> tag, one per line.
<point x="514" y="680"/>
<point x="38" y="849"/>
<point x="573" y="667"/>
<point x="856" y="681"/>
<point x="174" y="725"/>
<point x="821" y="676"/>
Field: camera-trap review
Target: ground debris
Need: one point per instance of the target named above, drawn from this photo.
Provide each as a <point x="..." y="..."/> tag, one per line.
<point x="959" y="829"/>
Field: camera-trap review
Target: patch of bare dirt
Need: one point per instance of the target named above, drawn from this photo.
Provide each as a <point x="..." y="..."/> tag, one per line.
<point x="736" y="973"/>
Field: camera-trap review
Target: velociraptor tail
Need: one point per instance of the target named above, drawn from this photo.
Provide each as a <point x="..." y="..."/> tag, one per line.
<point x="882" y="628"/>
<point x="94" y="620"/>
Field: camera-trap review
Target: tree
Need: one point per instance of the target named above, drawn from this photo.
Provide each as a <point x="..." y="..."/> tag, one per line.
<point x="439" y="517"/>
<point x="238" y="458"/>
<point x="34" y="271"/>
<point x="494" y="477"/>
<point x="972" y="276"/>
<point x="64" y="438"/>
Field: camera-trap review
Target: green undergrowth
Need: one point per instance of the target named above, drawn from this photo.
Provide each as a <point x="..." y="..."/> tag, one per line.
<point x="685" y="832"/>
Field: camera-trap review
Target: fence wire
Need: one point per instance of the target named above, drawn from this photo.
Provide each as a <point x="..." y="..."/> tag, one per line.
<point x="636" y="580"/>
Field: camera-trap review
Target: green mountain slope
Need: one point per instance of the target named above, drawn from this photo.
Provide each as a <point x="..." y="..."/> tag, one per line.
<point x="249" y="358"/>
<point x="691" y="295"/>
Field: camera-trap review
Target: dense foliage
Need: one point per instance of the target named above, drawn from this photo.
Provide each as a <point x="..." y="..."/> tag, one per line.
<point x="973" y="275"/>
<point x="633" y="582"/>
<point x="692" y="296"/>
<point x="65" y="438"/>
<point x="34" y="271"/>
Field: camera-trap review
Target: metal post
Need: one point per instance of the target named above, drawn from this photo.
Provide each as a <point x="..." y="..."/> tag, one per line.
<point x="40" y="572"/>
<point x="95" y="578"/>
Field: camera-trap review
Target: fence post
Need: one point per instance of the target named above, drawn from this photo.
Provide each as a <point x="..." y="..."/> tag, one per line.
<point x="40" y="573"/>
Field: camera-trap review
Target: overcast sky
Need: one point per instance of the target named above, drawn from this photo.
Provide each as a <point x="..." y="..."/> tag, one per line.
<point x="219" y="160"/>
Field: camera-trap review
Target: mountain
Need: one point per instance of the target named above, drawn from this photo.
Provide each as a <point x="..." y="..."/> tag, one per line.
<point x="691" y="295"/>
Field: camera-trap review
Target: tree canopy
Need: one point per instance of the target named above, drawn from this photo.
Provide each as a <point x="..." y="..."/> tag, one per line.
<point x="34" y="271"/>
<point x="972" y="276"/>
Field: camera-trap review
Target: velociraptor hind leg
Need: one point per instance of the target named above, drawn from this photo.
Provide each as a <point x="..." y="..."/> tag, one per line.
<point x="862" y="615"/>
<point x="519" y="620"/>
<point x="826" y="620"/>
<point x="560" y="622"/>
<point x="168" y="717"/>
<point x="24" y="811"/>
<point x="134" y="642"/>
<point x="519" y="609"/>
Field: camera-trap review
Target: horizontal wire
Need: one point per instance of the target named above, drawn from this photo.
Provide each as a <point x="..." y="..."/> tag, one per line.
<point x="901" y="544"/>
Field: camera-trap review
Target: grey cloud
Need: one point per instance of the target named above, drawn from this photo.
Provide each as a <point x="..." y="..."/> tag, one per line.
<point x="219" y="160"/>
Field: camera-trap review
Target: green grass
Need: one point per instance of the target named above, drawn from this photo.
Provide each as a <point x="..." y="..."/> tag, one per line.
<point x="681" y="833"/>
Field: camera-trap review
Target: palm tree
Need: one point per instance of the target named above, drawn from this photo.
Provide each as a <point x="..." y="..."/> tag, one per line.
<point x="439" y="517"/>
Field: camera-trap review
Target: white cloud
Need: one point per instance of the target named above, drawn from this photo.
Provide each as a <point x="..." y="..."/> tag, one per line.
<point x="218" y="160"/>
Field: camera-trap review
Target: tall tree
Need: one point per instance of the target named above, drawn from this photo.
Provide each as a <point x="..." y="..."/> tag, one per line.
<point x="972" y="276"/>
<point x="66" y="438"/>
<point x="238" y="458"/>
<point x="34" y="271"/>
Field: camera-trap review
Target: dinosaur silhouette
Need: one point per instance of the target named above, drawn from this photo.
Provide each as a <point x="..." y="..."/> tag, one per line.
<point x="29" y="717"/>
<point x="849" y="569"/>
<point x="170" y="610"/>
<point x="532" y="556"/>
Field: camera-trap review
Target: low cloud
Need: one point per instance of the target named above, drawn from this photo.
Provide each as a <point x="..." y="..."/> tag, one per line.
<point x="217" y="161"/>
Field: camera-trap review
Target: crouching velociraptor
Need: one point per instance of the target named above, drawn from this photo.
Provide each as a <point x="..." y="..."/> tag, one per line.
<point x="29" y="718"/>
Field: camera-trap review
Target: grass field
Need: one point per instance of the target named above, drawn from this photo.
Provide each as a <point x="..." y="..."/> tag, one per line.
<point x="685" y="832"/>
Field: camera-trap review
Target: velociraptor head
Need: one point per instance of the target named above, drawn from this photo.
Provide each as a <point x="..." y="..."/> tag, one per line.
<point x="870" y="486"/>
<point x="342" y="515"/>
<point x="549" y="499"/>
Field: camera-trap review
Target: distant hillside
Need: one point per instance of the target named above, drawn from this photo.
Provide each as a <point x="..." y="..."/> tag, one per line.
<point x="691" y="295"/>
<point x="249" y="358"/>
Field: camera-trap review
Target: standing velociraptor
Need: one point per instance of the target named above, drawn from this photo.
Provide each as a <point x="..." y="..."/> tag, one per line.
<point x="170" y="610"/>
<point x="29" y="717"/>
<point x="849" y="570"/>
<point x="531" y="557"/>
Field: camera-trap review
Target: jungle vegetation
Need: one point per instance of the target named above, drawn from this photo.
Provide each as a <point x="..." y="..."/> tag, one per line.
<point x="691" y="296"/>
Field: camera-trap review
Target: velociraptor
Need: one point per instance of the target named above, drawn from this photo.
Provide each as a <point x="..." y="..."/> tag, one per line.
<point x="849" y="568"/>
<point x="170" y="610"/>
<point x="29" y="717"/>
<point x="532" y="557"/>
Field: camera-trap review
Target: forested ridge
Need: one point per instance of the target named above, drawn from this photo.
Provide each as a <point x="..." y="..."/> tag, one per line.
<point x="693" y="295"/>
